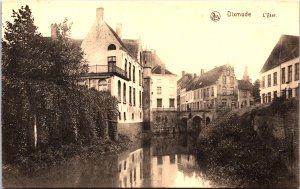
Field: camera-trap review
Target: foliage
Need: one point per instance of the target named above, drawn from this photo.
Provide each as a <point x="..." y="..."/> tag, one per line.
<point x="255" y="90"/>
<point x="232" y="154"/>
<point x="40" y="88"/>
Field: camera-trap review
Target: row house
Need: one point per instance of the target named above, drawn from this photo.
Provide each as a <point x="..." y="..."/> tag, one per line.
<point x="159" y="102"/>
<point x="215" y="88"/>
<point x="280" y="73"/>
<point x="115" y="66"/>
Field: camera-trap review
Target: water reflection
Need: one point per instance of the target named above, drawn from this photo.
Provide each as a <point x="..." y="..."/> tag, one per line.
<point x="156" y="162"/>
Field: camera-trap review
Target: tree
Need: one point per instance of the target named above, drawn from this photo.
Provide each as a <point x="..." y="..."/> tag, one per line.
<point x="255" y="90"/>
<point x="27" y="54"/>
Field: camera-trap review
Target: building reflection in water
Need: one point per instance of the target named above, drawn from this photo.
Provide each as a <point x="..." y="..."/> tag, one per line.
<point x="162" y="163"/>
<point x="131" y="169"/>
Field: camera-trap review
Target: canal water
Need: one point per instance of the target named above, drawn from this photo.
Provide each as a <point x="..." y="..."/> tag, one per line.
<point x="159" y="161"/>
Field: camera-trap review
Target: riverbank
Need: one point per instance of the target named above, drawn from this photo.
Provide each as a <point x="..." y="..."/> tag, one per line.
<point x="43" y="159"/>
<point x="253" y="147"/>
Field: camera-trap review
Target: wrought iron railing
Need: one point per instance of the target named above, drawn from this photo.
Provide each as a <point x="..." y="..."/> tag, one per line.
<point x="110" y="68"/>
<point x="164" y="109"/>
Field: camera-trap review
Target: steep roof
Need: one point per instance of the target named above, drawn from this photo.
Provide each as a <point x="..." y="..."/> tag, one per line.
<point x="207" y="78"/>
<point x="118" y="38"/>
<point x="158" y="70"/>
<point x="287" y="48"/>
<point x="244" y="85"/>
<point x="132" y="46"/>
<point x="184" y="80"/>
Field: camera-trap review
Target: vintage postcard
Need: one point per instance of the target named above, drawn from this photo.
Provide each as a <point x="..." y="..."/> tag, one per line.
<point x="102" y="93"/>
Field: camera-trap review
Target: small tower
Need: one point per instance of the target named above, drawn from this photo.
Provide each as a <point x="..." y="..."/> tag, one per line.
<point x="246" y="76"/>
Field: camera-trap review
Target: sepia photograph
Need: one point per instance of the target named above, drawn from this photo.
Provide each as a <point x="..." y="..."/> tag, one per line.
<point x="150" y="94"/>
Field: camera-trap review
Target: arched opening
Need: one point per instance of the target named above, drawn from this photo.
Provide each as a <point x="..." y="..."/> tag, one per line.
<point x="111" y="47"/>
<point x="184" y="123"/>
<point x="197" y="123"/>
<point x="124" y="93"/>
<point x="207" y="120"/>
<point x="119" y="91"/>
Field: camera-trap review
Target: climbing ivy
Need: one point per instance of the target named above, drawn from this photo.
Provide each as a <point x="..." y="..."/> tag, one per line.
<point x="40" y="92"/>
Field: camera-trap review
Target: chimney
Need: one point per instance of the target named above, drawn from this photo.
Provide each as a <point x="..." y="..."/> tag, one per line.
<point x="99" y="13"/>
<point x="183" y="73"/>
<point x="54" y="31"/>
<point x="163" y="69"/>
<point x="195" y="75"/>
<point x="201" y="72"/>
<point x="119" y="30"/>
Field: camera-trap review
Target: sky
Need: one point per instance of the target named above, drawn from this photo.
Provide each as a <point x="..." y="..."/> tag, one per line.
<point x="181" y="32"/>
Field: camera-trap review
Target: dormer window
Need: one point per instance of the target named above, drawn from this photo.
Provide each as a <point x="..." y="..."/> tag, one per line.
<point x="111" y="47"/>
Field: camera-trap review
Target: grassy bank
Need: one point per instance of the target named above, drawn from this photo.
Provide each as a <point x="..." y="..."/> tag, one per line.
<point x="233" y="153"/>
<point x="42" y="159"/>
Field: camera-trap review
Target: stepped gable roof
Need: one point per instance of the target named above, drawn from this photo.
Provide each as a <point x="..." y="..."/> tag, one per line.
<point x="132" y="46"/>
<point x="208" y="78"/>
<point x="158" y="70"/>
<point x="244" y="85"/>
<point x="287" y="48"/>
<point x="184" y="80"/>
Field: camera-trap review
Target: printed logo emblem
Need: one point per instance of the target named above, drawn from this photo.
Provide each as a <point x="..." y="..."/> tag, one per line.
<point x="215" y="16"/>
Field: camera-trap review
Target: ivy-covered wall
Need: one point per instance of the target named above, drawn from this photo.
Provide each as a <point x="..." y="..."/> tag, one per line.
<point x="37" y="114"/>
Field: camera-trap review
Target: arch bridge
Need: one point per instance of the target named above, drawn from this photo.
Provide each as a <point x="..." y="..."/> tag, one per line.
<point x="195" y="120"/>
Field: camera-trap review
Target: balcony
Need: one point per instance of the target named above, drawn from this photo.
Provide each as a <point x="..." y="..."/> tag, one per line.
<point x="169" y="109"/>
<point x="111" y="68"/>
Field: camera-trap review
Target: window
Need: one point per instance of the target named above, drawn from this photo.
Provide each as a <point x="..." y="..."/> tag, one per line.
<point x="245" y="94"/>
<point x="224" y="90"/>
<point x="269" y="80"/>
<point x="275" y="94"/>
<point x="282" y="75"/>
<point x="231" y="90"/>
<point x="231" y="80"/>
<point x="120" y="117"/>
<point x="124" y="120"/>
<point x="111" y="59"/>
<point x="119" y="91"/>
<point x="111" y="47"/>
<point x="263" y="82"/>
<point x="172" y="102"/>
<point x="133" y="73"/>
<point x="159" y="90"/>
<point x="224" y="102"/>
<point x="263" y="98"/>
<point x="130" y="100"/>
<point x="102" y="85"/>
<point x="224" y="79"/>
<point x="125" y="67"/>
<point x="129" y="70"/>
<point x="134" y="96"/>
<point x="132" y="116"/>
<point x="296" y="71"/>
<point x="275" y="78"/>
<point x="207" y="92"/>
<point x="290" y="73"/>
<point x="140" y="98"/>
<point x="290" y="93"/>
<point x="124" y="93"/>
<point x="140" y="77"/>
<point x="269" y="96"/>
<point x="159" y="102"/>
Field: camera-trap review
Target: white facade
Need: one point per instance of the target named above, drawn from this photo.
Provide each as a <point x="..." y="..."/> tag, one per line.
<point x="112" y="68"/>
<point x="163" y="94"/>
<point x="287" y="81"/>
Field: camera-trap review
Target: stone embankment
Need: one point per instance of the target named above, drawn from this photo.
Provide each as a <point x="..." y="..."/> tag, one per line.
<point x="255" y="146"/>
